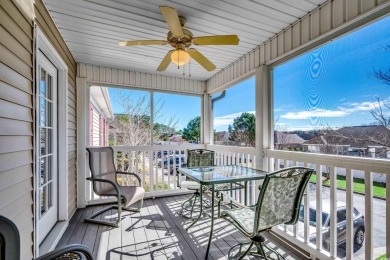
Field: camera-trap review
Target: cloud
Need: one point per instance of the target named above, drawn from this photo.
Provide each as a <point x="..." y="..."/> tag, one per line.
<point x="314" y="113"/>
<point x="342" y="111"/>
<point x="228" y="119"/>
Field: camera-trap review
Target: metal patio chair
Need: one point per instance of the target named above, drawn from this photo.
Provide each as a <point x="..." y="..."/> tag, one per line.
<point x="195" y="158"/>
<point x="278" y="203"/>
<point x="104" y="183"/>
<point x="10" y="245"/>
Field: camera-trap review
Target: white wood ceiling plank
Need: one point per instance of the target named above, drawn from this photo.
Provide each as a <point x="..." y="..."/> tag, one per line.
<point x="270" y="8"/>
<point x="92" y="29"/>
<point x="259" y="20"/>
<point x="301" y="4"/>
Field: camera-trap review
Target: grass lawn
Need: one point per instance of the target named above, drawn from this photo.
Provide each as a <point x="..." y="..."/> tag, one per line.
<point x="358" y="185"/>
<point x="382" y="257"/>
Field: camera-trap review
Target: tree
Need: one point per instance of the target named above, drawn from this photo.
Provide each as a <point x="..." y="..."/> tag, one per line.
<point x="133" y="127"/>
<point x="243" y="130"/>
<point x="383" y="74"/>
<point x="192" y="131"/>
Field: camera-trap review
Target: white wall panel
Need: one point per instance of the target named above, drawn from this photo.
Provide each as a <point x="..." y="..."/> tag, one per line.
<point x="305" y="31"/>
<point x="101" y="75"/>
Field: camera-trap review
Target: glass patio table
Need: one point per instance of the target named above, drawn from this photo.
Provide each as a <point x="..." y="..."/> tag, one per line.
<point x="210" y="176"/>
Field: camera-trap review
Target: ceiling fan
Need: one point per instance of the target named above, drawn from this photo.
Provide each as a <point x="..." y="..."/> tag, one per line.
<point x="181" y="39"/>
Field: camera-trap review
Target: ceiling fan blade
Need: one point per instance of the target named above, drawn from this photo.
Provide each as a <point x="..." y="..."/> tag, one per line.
<point x="216" y="40"/>
<point x="142" y="42"/>
<point x="202" y="60"/>
<point x="172" y="19"/>
<point x="165" y="62"/>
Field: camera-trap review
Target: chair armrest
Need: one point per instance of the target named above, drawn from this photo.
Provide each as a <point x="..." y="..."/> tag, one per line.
<point x="107" y="181"/>
<point x="131" y="173"/>
<point x="85" y="251"/>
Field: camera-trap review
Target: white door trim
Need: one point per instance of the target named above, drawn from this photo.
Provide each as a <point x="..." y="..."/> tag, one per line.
<point x="43" y="44"/>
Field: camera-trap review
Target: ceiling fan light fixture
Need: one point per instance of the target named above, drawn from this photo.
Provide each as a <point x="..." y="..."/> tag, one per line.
<point x="180" y="57"/>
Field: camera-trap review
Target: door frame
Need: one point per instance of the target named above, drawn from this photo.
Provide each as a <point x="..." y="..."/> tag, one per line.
<point x="41" y="43"/>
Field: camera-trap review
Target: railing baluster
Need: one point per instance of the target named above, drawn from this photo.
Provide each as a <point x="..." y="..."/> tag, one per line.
<point x="319" y="205"/>
<point x="143" y="169"/>
<point x="333" y="211"/>
<point x="368" y="220"/>
<point x="151" y="170"/>
<point x="306" y="200"/>
<point x="163" y="155"/>
<point x="387" y="216"/>
<point x="174" y="169"/>
<point x="349" y="202"/>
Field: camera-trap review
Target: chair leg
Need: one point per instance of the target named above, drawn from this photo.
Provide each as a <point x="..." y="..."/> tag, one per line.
<point x="137" y="209"/>
<point x="115" y="224"/>
<point x="240" y="255"/>
<point x="107" y="223"/>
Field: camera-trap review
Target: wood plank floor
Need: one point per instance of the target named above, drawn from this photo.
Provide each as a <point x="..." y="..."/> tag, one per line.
<point x="157" y="232"/>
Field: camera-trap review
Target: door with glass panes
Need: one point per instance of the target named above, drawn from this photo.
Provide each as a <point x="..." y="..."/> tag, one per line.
<point x="46" y="153"/>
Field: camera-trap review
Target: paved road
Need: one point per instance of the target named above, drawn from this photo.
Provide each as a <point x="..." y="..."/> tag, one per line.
<point x="379" y="210"/>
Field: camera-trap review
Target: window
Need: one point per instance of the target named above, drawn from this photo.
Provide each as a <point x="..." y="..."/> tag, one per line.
<point x="234" y="115"/>
<point x="176" y="118"/>
<point x="330" y="99"/>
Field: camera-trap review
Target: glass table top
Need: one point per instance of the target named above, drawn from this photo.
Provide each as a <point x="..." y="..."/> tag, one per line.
<point x="222" y="174"/>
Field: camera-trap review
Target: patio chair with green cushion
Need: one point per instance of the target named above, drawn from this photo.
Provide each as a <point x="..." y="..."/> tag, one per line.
<point x="195" y="158"/>
<point x="104" y="182"/>
<point x="278" y="203"/>
<point x="10" y="245"/>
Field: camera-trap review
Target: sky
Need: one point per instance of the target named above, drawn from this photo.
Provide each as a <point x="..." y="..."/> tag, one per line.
<point x="174" y="110"/>
<point x="330" y="86"/>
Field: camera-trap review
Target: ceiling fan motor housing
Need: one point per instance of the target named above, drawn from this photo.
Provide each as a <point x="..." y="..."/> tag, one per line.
<point x="184" y="40"/>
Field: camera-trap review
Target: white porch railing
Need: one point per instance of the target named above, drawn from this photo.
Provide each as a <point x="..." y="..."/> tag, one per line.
<point x="331" y="164"/>
<point x="235" y="155"/>
<point x="155" y="165"/>
<point x="148" y="162"/>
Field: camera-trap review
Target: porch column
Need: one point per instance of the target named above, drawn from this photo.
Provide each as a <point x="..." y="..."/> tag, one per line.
<point x="82" y="139"/>
<point x="206" y="125"/>
<point x="264" y="118"/>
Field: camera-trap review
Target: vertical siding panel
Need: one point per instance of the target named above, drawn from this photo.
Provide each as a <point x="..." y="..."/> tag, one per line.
<point x="315" y="24"/>
<point x="296" y="34"/>
<point x="148" y="80"/>
<point x="120" y="77"/>
<point x="108" y="75"/>
<point x="154" y="81"/>
<point x="102" y="74"/>
<point x="326" y="18"/>
<point x="132" y="78"/>
<point x="274" y="47"/>
<point x="305" y="29"/>
<point x="95" y="70"/>
<point x="126" y="77"/>
<point x="164" y="82"/>
<point x="247" y="65"/>
<point x="89" y="73"/>
<point x="257" y="59"/>
<point x="368" y="4"/>
<point x="114" y="76"/>
<point x="288" y="39"/>
<point x="137" y="79"/>
<point x="338" y="13"/>
<point x="280" y="44"/>
<point x="251" y="61"/>
<point x="83" y="70"/>
<point x="267" y="51"/>
<point x="262" y="54"/>
<point x="143" y="79"/>
<point x="169" y="82"/>
<point x="352" y="8"/>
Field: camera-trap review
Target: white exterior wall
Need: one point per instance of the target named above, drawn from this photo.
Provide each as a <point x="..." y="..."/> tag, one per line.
<point x="104" y="76"/>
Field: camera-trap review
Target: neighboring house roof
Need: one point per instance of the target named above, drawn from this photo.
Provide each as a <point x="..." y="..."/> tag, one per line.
<point x="354" y="136"/>
<point x="286" y="138"/>
<point x="101" y="98"/>
<point x="176" y="138"/>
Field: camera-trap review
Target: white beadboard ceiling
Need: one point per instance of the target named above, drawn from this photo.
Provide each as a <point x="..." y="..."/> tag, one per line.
<point x="92" y="29"/>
